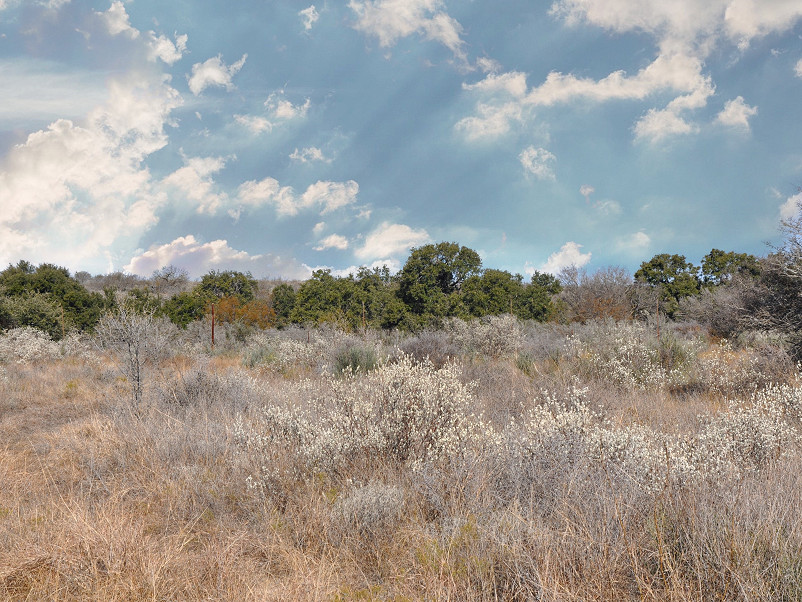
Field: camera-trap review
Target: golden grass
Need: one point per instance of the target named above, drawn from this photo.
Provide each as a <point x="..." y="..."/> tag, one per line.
<point x="98" y="503"/>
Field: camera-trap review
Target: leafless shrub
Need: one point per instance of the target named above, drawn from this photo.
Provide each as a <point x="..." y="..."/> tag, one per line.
<point x="136" y="341"/>
<point x="605" y="293"/>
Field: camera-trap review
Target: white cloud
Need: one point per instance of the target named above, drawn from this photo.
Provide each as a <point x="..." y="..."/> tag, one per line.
<point x="79" y="188"/>
<point x="324" y="195"/>
<point x="199" y="258"/>
<point x="391" y="239"/>
<point x="279" y="110"/>
<point x="798" y="68"/>
<point x="790" y="208"/>
<point x="282" y="109"/>
<point x="568" y="255"/>
<point x="309" y="16"/>
<point x="330" y="196"/>
<point x="195" y="182"/>
<point x="162" y="47"/>
<point x="685" y="33"/>
<point x="488" y="65"/>
<point x="736" y="114"/>
<point x="658" y="125"/>
<point x="309" y="154"/>
<point x="117" y="22"/>
<point x="269" y="191"/>
<point x="391" y="20"/>
<point x="319" y="227"/>
<point x="639" y="241"/>
<point x="686" y="21"/>
<point x="213" y="72"/>
<point x="491" y="121"/>
<point x="539" y="162"/>
<point x="255" y="124"/>
<point x="333" y="241"/>
<point x="586" y="190"/>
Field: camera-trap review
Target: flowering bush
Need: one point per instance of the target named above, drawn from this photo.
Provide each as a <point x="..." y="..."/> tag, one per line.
<point x="402" y="413"/>
<point x="26" y="344"/>
<point x="493" y="336"/>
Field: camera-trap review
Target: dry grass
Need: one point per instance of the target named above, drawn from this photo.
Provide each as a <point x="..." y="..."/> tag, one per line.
<point x="103" y="503"/>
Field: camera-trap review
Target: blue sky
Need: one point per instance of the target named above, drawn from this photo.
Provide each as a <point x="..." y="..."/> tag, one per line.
<point x="281" y="137"/>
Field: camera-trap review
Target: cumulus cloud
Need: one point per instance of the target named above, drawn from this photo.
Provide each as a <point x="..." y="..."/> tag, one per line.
<point x="333" y="241"/>
<point x="255" y="124"/>
<point x="329" y="196"/>
<point x="568" y="255"/>
<point x="199" y="258"/>
<point x="798" y="68"/>
<point x="538" y="162"/>
<point x="194" y="181"/>
<point x="78" y="187"/>
<point x="163" y="48"/>
<point x="279" y="110"/>
<point x="736" y="114"/>
<point x="685" y="33"/>
<point x="391" y="20"/>
<point x="117" y="21"/>
<point x="308" y="155"/>
<point x="586" y="190"/>
<point x="491" y="121"/>
<point x="505" y="99"/>
<point x="213" y="72"/>
<point x="268" y="192"/>
<point x="790" y="207"/>
<point x="282" y="109"/>
<point x="389" y="240"/>
<point x="325" y="196"/>
<point x="309" y="17"/>
<point x="658" y="125"/>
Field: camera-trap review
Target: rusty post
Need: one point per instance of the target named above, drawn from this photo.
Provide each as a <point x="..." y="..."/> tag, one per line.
<point x="212" y="324"/>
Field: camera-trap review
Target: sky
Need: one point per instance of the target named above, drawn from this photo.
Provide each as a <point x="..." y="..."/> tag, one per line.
<point x="280" y="137"/>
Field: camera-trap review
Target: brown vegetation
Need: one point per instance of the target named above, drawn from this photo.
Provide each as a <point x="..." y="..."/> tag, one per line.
<point x="529" y="462"/>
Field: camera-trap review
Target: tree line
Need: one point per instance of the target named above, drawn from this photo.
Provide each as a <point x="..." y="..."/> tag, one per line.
<point x="727" y="292"/>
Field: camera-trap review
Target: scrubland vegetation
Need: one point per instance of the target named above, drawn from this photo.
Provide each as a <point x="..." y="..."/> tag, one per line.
<point x="490" y="459"/>
<point x="556" y="440"/>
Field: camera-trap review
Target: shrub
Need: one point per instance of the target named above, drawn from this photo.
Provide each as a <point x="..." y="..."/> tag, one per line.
<point x="136" y="342"/>
<point x="355" y="358"/>
<point x="26" y="344"/>
<point x="400" y="414"/>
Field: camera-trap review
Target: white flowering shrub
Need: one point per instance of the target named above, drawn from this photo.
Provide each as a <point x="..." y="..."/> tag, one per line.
<point x="493" y="336"/>
<point x="743" y="440"/>
<point x="283" y="353"/>
<point x="26" y="344"/>
<point x="371" y="510"/>
<point x="402" y="413"/>
<point x="626" y="355"/>
<point x="729" y="372"/>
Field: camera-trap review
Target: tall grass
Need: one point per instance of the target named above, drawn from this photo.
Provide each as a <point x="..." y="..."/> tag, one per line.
<point x="490" y="461"/>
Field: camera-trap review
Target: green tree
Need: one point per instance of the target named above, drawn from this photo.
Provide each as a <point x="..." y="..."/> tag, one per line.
<point x="719" y="267"/>
<point x="184" y="308"/>
<point x="218" y="284"/>
<point x="322" y="298"/>
<point x="282" y="299"/>
<point x="537" y="300"/>
<point x="81" y="309"/>
<point x="673" y="275"/>
<point x="433" y="276"/>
